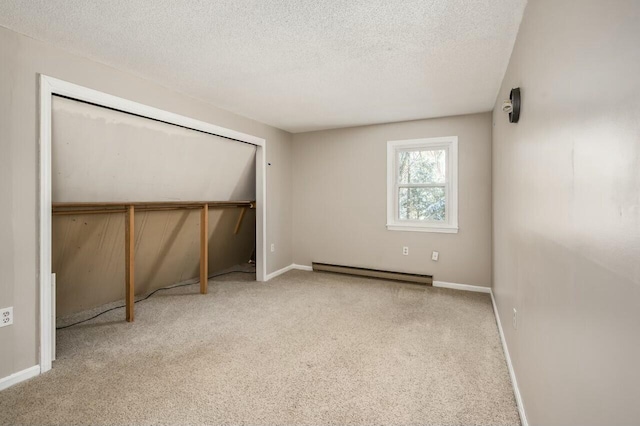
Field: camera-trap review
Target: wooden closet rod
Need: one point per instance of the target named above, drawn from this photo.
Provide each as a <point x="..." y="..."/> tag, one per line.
<point x="143" y="206"/>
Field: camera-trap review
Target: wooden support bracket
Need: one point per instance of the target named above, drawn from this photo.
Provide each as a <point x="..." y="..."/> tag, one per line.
<point x="242" y="212"/>
<point x="129" y="238"/>
<point x="204" y="249"/>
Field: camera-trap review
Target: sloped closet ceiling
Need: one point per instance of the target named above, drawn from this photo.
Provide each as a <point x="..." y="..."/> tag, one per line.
<point x="104" y="155"/>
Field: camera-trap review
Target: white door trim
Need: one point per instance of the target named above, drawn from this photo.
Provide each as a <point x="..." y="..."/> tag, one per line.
<point x="50" y="86"/>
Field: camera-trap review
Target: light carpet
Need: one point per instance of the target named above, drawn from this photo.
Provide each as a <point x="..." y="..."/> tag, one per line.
<point x="304" y="348"/>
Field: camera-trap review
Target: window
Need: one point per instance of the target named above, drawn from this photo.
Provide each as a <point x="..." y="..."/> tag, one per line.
<point x="422" y="185"/>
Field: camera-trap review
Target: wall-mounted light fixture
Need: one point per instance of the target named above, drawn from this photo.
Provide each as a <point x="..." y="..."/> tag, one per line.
<point x="512" y="105"/>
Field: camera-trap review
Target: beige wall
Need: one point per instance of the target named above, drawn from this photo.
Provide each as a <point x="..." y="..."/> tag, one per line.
<point x="566" y="191"/>
<point x="22" y="58"/>
<point x="339" y="199"/>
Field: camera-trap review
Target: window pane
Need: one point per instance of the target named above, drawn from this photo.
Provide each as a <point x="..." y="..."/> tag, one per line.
<point x="427" y="166"/>
<point x="421" y="204"/>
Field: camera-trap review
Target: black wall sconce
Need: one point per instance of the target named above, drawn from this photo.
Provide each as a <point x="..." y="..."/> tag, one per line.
<point x="512" y="105"/>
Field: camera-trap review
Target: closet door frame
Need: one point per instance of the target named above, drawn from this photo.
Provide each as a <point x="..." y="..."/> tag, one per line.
<point x="49" y="87"/>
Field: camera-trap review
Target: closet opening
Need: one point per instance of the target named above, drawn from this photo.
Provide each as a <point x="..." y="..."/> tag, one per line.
<point x="139" y="201"/>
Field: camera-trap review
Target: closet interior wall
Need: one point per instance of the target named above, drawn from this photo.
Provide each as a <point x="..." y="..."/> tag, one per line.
<point x="101" y="155"/>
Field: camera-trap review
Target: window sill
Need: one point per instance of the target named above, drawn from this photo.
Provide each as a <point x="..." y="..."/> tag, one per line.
<point x="419" y="228"/>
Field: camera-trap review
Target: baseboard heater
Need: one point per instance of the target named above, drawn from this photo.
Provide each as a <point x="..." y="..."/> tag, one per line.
<point x="374" y="273"/>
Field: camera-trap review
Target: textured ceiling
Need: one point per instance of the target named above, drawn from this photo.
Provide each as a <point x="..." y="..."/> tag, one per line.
<point x="299" y="64"/>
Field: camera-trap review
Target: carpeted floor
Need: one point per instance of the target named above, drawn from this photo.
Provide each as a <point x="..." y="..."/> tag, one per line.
<point x="304" y="348"/>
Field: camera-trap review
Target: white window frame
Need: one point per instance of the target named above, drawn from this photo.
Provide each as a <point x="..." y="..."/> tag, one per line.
<point x="450" y="224"/>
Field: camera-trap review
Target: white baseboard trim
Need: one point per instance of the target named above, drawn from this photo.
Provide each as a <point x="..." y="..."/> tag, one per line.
<point x="278" y="272"/>
<point x="512" y="373"/>
<point x="18" y="377"/>
<point x="302" y="267"/>
<point x="465" y="287"/>
<point x="287" y="269"/>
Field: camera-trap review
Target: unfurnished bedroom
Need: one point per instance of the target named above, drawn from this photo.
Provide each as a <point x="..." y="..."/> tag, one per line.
<point x="357" y="212"/>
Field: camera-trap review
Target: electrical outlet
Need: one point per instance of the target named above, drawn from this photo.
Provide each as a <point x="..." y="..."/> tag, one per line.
<point x="434" y="256"/>
<point x="405" y="251"/>
<point x="6" y="316"/>
<point x="515" y="319"/>
<point x="273" y="247"/>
